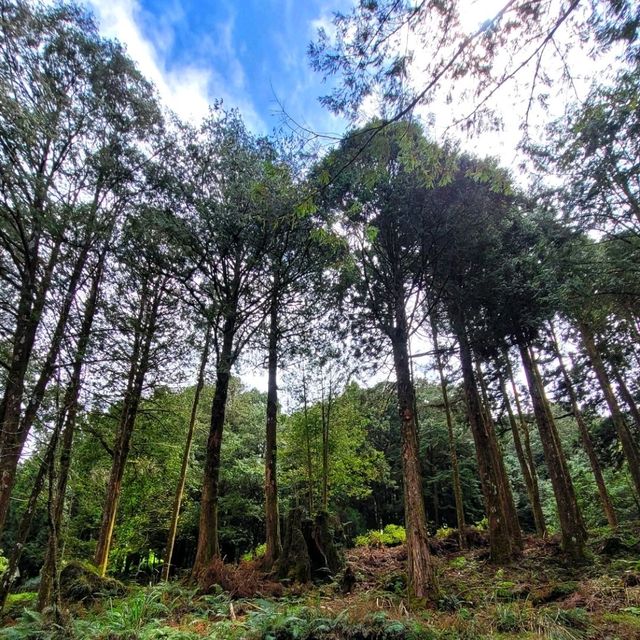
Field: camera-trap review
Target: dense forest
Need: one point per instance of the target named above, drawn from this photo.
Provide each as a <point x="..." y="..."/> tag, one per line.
<point x="449" y="441"/>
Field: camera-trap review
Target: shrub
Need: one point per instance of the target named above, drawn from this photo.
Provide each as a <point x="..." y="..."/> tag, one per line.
<point x="391" y="536"/>
<point x="255" y="554"/>
<point x="511" y="618"/>
<point x="239" y="581"/>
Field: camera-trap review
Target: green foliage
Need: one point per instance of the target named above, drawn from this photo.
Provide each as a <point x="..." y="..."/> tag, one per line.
<point x="354" y="462"/>
<point x="459" y="562"/>
<point x="32" y="626"/>
<point x="390" y="536"/>
<point x="256" y="553"/>
<point x="482" y="525"/>
<point x="513" y="617"/>
<point x="444" y="532"/>
<point x="302" y="623"/>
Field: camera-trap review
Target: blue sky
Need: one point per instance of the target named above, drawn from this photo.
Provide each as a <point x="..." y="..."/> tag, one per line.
<point x="249" y="53"/>
<point x="245" y="52"/>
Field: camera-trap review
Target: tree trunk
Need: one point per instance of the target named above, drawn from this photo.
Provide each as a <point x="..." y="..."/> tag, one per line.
<point x="421" y="573"/>
<point x="506" y="495"/>
<point x="24" y="527"/>
<point x="627" y="396"/>
<point x="308" y="438"/>
<point x="29" y="315"/>
<point x="177" y="500"/>
<point x="46" y="591"/>
<point x="453" y="455"/>
<point x="272" y="518"/>
<point x="527" y="472"/>
<point x="502" y="547"/>
<point x="605" y="499"/>
<point x="12" y="457"/>
<point x="208" y="525"/>
<point x="524" y="428"/>
<point x="326" y="421"/>
<point x="629" y="447"/>
<point x="572" y="527"/>
<point x="137" y="372"/>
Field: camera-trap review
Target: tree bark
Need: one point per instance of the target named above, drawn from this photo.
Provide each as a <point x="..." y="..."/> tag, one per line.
<point x="504" y="487"/>
<point x="46" y="591"/>
<point x="629" y="447"/>
<point x="24" y="527"/>
<point x="627" y="396"/>
<point x="13" y="453"/>
<point x="605" y="499"/>
<point x="524" y="428"/>
<point x="422" y="581"/>
<point x="208" y="546"/>
<point x="453" y="455"/>
<point x="272" y="518"/>
<point x="145" y="330"/>
<point x="29" y="315"/>
<point x="574" y="534"/>
<point x="308" y="439"/>
<point x="527" y="471"/>
<point x="326" y="421"/>
<point x="502" y="545"/>
<point x="177" y="500"/>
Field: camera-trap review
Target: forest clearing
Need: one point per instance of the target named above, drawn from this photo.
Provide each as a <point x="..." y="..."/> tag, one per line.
<point x="297" y="385"/>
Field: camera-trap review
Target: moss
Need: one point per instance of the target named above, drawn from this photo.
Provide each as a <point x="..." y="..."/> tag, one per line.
<point x="80" y="582"/>
<point x="17" y="602"/>
<point x="505" y="590"/>
<point x="624" y="618"/>
<point x="555" y="591"/>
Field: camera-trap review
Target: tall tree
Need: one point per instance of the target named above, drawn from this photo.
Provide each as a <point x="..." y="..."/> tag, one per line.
<point x="71" y="105"/>
<point x="301" y="250"/>
<point x="145" y="312"/>
<point x="587" y="443"/>
<point x="526" y="467"/>
<point x="182" y="479"/>
<point x="385" y="210"/>
<point x="226" y="237"/>
<point x="453" y="454"/>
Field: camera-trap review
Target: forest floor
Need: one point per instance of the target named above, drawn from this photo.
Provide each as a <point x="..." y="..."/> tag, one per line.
<point x="540" y="595"/>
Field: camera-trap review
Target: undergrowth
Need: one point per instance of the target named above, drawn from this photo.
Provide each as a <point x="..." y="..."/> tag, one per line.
<point x="392" y="535"/>
<point x="538" y="596"/>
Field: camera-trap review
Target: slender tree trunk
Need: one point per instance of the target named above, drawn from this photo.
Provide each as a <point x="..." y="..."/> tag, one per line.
<point x="24" y="527"/>
<point x="524" y="428"/>
<point x="605" y="499"/>
<point x="574" y="534"/>
<point x="177" y="500"/>
<point x="527" y="471"/>
<point x="326" y="421"/>
<point x="12" y="455"/>
<point x="506" y="495"/>
<point x="46" y="592"/>
<point x="56" y="602"/>
<point x="627" y="396"/>
<point x="453" y="454"/>
<point x="422" y="581"/>
<point x="308" y="439"/>
<point x="272" y="518"/>
<point x="502" y="545"/>
<point x="29" y="315"/>
<point x="137" y="373"/>
<point x="208" y="547"/>
<point x="629" y="447"/>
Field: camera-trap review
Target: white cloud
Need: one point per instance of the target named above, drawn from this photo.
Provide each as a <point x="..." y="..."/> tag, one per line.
<point x="186" y="89"/>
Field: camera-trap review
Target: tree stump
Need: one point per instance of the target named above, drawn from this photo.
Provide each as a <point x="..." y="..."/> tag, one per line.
<point x="308" y="549"/>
